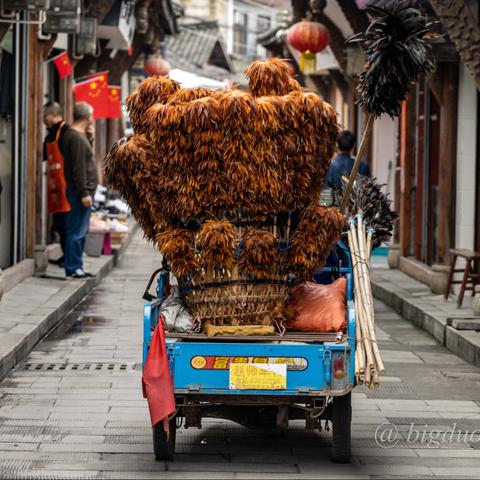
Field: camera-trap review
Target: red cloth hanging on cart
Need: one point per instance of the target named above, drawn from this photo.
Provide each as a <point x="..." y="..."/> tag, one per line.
<point x="157" y="382"/>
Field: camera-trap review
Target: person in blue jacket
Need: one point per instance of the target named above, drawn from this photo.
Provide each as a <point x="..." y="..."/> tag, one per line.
<point x="342" y="164"/>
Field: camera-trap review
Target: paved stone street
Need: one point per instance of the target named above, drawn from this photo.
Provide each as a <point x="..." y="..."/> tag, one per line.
<point x="75" y="409"/>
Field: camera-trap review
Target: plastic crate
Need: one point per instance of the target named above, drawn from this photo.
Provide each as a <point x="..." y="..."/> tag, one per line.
<point x="94" y="244"/>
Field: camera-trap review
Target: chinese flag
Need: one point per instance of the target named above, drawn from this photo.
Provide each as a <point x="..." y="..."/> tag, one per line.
<point x="64" y="67"/>
<point x="156" y="381"/>
<point x="94" y="91"/>
<point x="114" y="107"/>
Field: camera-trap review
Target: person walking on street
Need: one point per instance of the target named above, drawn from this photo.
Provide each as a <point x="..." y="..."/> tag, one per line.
<point x="81" y="178"/>
<point x="342" y="164"/>
<point x="54" y="150"/>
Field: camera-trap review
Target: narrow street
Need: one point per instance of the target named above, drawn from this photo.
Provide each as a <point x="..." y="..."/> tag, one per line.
<point x="75" y="408"/>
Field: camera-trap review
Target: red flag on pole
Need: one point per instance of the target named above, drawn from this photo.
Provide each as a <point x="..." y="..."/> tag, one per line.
<point x="64" y="67"/>
<point x="156" y="381"/>
<point x="94" y="91"/>
<point x="114" y="107"/>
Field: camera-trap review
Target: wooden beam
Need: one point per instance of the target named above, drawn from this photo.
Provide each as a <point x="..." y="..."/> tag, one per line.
<point x="357" y="18"/>
<point x="407" y="159"/>
<point x="34" y="178"/>
<point x="447" y="160"/>
<point x="435" y="84"/>
<point x="299" y="10"/>
<point x="34" y="214"/>
<point x="463" y="30"/>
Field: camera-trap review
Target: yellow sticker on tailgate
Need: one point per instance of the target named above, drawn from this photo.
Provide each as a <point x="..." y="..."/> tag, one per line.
<point x="258" y="376"/>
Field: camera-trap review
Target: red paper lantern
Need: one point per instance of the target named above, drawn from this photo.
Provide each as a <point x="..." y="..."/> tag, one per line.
<point x="308" y="38"/>
<point x="156" y="65"/>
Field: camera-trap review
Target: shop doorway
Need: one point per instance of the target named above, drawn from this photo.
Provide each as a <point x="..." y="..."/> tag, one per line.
<point x="427" y="148"/>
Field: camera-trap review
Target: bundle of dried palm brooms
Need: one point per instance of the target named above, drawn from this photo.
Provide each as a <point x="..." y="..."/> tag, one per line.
<point x="368" y="362"/>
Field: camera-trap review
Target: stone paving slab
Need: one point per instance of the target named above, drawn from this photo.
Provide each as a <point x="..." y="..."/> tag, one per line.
<point x="415" y="302"/>
<point x="33" y="307"/>
<point x="98" y="425"/>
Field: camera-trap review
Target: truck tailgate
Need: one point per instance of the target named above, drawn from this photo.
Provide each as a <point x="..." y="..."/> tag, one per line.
<point x="205" y="367"/>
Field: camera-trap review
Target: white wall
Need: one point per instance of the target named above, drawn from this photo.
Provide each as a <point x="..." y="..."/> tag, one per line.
<point x="466" y="160"/>
<point x="384" y="151"/>
<point x="253" y="10"/>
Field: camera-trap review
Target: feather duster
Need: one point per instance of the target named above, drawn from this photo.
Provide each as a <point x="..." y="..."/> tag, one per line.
<point x="317" y="232"/>
<point x="216" y="239"/>
<point x="368" y="198"/>
<point x="177" y="246"/>
<point x="259" y="253"/>
<point x="397" y="53"/>
<point x="126" y="170"/>
<point x="185" y="95"/>
<point x="156" y="89"/>
<point x="270" y="77"/>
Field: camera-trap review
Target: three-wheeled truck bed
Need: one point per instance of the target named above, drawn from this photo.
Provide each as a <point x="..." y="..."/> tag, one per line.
<point x="260" y="381"/>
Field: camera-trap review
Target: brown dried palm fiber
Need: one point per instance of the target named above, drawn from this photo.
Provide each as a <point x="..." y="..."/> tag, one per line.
<point x="177" y="246"/>
<point x="216" y="240"/>
<point x="259" y="253"/>
<point x="319" y="229"/>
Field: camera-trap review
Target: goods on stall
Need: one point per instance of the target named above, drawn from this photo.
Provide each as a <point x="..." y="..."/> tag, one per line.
<point x="227" y="183"/>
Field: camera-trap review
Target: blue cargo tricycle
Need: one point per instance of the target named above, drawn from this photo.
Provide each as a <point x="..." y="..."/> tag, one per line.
<point x="262" y="381"/>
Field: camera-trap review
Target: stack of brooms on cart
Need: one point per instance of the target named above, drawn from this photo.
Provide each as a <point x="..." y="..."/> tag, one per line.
<point x="227" y="184"/>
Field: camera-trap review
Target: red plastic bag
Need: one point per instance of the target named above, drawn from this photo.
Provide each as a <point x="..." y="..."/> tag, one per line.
<point x="318" y="308"/>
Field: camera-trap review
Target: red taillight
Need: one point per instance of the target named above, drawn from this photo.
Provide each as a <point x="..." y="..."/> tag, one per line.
<point x="338" y="368"/>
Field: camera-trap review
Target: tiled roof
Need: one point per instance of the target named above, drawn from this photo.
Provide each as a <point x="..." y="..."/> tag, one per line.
<point x="199" y="48"/>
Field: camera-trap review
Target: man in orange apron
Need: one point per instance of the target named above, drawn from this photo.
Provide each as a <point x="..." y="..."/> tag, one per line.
<point x="58" y="204"/>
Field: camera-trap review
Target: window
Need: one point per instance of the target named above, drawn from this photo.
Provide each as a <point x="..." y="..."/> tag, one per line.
<point x="264" y="23"/>
<point x="239" y="32"/>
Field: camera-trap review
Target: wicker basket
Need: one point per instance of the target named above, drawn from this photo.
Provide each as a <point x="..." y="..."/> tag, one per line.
<point x="237" y="302"/>
<point x="231" y="298"/>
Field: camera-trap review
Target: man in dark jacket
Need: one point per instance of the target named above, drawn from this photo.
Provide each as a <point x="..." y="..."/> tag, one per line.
<point x="342" y="165"/>
<point x="81" y="176"/>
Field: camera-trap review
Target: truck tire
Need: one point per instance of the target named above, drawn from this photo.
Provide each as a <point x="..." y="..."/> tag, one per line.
<point x="341" y="428"/>
<point x="163" y="444"/>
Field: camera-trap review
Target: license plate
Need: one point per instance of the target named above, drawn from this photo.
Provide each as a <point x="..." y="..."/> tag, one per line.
<point x="258" y="376"/>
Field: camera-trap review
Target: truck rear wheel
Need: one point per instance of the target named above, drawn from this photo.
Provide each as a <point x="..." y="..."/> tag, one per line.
<point x="341" y="428"/>
<point x="164" y="442"/>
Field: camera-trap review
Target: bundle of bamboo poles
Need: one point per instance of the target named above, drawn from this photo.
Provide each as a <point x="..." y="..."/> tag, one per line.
<point x="368" y="362"/>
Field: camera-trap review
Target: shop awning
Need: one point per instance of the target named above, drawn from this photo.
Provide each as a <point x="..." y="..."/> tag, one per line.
<point x="191" y="80"/>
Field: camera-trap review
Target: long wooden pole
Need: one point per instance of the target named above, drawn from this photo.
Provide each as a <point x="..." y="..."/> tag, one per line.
<point x="365" y="273"/>
<point x="363" y="318"/>
<point x="358" y="159"/>
<point x="359" y="351"/>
